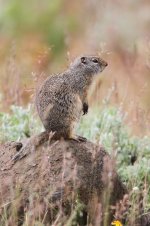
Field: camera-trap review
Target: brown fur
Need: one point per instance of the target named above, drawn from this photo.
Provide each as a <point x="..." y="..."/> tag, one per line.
<point x="61" y="97"/>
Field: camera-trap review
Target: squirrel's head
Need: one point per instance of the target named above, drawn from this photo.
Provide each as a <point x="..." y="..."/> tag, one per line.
<point x="89" y="64"/>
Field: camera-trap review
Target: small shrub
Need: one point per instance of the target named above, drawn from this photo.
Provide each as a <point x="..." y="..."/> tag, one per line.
<point x="18" y="124"/>
<point x="105" y="126"/>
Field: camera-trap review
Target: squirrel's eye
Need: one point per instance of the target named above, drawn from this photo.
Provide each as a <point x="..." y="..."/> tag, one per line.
<point x="83" y="60"/>
<point x="95" y="60"/>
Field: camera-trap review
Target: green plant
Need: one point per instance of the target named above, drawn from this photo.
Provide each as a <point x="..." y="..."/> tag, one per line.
<point x="105" y="126"/>
<point x="18" y="124"/>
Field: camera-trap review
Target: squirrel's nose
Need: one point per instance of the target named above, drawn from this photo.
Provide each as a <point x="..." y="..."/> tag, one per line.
<point x="105" y="64"/>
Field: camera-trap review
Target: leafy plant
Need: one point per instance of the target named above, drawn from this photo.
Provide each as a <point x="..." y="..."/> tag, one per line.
<point x="18" y="124"/>
<point x="105" y="126"/>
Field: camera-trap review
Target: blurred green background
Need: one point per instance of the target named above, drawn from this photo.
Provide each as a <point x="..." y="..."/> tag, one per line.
<point x="41" y="37"/>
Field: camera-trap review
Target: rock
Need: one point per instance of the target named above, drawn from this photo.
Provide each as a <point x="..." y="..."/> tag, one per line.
<point x="55" y="182"/>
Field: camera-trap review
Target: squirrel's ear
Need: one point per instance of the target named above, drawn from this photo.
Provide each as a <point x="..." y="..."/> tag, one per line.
<point x="83" y="60"/>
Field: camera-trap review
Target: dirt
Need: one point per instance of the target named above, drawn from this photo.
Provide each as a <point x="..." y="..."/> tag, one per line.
<point x="54" y="180"/>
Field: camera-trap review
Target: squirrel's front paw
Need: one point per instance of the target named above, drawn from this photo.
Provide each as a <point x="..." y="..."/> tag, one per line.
<point x="85" y="108"/>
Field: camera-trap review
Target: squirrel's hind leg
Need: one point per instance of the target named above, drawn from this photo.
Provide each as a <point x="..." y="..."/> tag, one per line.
<point x="71" y="134"/>
<point x="77" y="138"/>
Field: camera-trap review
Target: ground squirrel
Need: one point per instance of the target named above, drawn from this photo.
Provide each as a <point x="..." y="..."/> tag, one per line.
<point x="62" y="99"/>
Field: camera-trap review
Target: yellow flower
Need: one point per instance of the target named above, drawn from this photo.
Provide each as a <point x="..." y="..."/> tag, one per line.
<point x="116" y="223"/>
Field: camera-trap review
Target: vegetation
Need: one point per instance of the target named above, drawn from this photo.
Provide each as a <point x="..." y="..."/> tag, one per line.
<point x="105" y="126"/>
<point x="18" y="19"/>
<point x="20" y="123"/>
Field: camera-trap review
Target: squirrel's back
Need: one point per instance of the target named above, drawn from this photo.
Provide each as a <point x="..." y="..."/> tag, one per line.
<point x="58" y="106"/>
